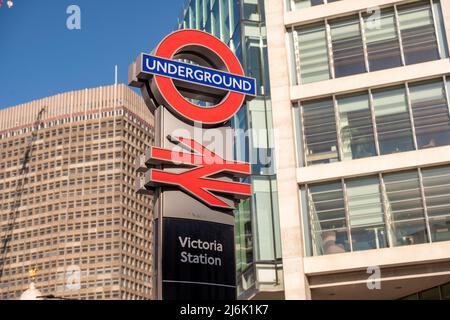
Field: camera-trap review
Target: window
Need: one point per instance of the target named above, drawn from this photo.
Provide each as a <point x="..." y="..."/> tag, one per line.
<point x="396" y="36"/>
<point x="389" y="210"/>
<point x="383" y="46"/>
<point x="431" y="114"/>
<point x="418" y="33"/>
<point x="302" y="4"/>
<point x="405" y="208"/>
<point x="267" y="225"/>
<point x="313" y="53"/>
<point x="347" y="47"/>
<point x="320" y="132"/>
<point x="355" y="126"/>
<point x="328" y="220"/>
<point x="366" y="214"/>
<point x="436" y="183"/>
<point x="393" y="121"/>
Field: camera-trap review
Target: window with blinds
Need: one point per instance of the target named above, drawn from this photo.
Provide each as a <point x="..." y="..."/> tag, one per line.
<point x="366" y="214"/>
<point x="387" y="210"/>
<point x="436" y="182"/>
<point x="348" y="53"/>
<point x="396" y="36"/>
<point x="355" y="126"/>
<point x="393" y="121"/>
<point x="383" y="46"/>
<point x="418" y="32"/>
<point x="328" y="219"/>
<point x="405" y="208"/>
<point x="313" y="53"/>
<point x="431" y="114"/>
<point x="320" y="132"/>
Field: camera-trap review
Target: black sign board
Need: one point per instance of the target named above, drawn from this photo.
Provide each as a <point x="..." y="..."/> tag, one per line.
<point x="198" y="260"/>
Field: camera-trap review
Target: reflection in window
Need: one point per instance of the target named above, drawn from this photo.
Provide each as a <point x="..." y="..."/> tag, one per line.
<point x="225" y="13"/>
<point x="244" y="238"/>
<point x="329" y="227"/>
<point x="313" y="53"/>
<point x="436" y="182"/>
<point x="405" y="208"/>
<point x="418" y="33"/>
<point x="393" y="121"/>
<point x="356" y="127"/>
<point x="366" y="214"/>
<point x="431" y="114"/>
<point x="383" y="46"/>
<point x="266" y="223"/>
<point x="320" y="132"/>
<point x="347" y="47"/>
<point x="216" y="19"/>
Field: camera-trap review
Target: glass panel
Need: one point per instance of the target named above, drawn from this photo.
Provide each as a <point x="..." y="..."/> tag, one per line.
<point x="441" y="29"/>
<point x="366" y="214"/>
<point x="409" y="232"/>
<point x="440" y="229"/>
<point x="445" y="290"/>
<point x="431" y="294"/>
<point x="225" y="11"/>
<point x="404" y="196"/>
<point x="404" y="203"/>
<point x="320" y="132"/>
<point x="347" y="47"/>
<point x="430" y="113"/>
<point x="216" y="19"/>
<point x="313" y="53"/>
<point x="300" y="4"/>
<point x="356" y="127"/>
<point x="383" y="46"/>
<point x="412" y="297"/>
<point x="418" y="33"/>
<point x="244" y="239"/>
<point x="436" y="182"/>
<point x="327" y="210"/>
<point x="393" y="121"/>
<point x="235" y="15"/>
<point x="193" y="16"/>
<point x="263" y="205"/>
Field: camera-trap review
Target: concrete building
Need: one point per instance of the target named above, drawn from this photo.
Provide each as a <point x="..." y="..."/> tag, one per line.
<point x="360" y="96"/>
<point x="78" y="225"/>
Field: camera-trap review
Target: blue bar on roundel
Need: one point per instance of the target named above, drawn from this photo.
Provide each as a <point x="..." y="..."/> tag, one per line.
<point x="198" y="75"/>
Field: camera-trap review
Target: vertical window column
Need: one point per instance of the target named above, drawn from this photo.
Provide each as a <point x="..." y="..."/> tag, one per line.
<point x="313" y="53"/>
<point x="393" y="121"/>
<point x="383" y="47"/>
<point x="319" y="125"/>
<point x="418" y="33"/>
<point x="348" y="52"/>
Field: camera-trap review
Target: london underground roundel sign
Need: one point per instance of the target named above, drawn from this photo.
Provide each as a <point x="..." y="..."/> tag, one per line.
<point x="216" y="75"/>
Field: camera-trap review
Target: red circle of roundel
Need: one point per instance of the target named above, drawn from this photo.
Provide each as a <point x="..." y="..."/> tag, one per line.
<point x="212" y="115"/>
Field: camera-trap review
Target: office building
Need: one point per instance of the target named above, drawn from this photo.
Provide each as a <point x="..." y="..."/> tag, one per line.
<point x="79" y="231"/>
<point x="360" y="100"/>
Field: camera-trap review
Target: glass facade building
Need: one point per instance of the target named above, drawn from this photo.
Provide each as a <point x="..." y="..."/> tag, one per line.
<point x="241" y="25"/>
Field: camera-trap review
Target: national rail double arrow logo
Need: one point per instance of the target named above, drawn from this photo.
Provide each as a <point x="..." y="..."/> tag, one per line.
<point x="197" y="181"/>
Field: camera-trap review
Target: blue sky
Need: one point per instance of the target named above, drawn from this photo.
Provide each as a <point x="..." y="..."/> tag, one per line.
<point x="40" y="57"/>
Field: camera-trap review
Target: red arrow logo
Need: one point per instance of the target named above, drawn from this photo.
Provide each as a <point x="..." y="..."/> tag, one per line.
<point x="197" y="181"/>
